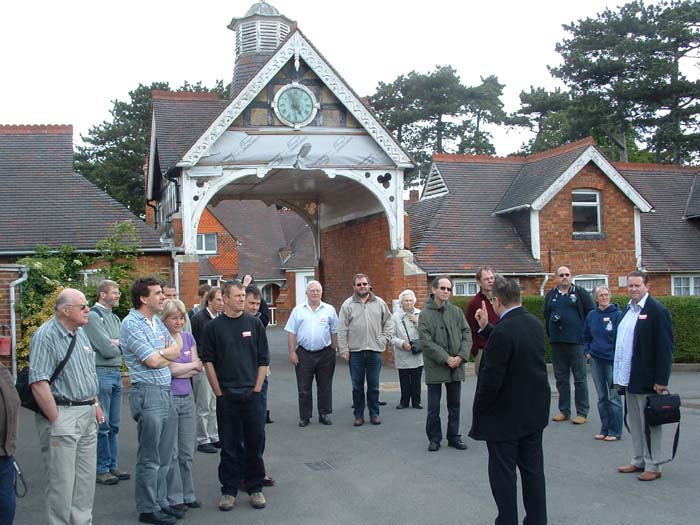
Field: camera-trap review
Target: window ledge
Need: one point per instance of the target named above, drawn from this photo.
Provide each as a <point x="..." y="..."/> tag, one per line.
<point x="583" y="236"/>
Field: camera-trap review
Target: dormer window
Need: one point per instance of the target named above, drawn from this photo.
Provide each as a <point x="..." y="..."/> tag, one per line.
<point x="586" y="211"/>
<point x="207" y="244"/>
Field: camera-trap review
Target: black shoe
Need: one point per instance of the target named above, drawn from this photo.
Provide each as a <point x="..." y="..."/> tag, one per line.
<point x="458" y="444"/>
<point x="172" y="511"/>
<point x="158" y="518"/>
<point x="267" y="418"/>
<point x="268" y="482"/>
<point x="216" y="444"/>
<point x="207" y="448"/>
<point x="194" y="504"/>
<point x="382" y="403"/>
<point x="182" y="507"/>
<point x="419" y="406"/>
<point x="434" y="446"/>
<point x="324" y="420"/>
<point x="401" y="407"/>
<point x="303" y="422"/>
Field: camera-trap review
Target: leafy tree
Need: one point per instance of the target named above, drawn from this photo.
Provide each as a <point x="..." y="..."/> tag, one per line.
<point x="482" y="105"/>
<point x="115" y="152"/>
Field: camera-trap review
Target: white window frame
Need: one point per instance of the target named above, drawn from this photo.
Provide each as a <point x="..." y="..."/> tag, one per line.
<point x="92" y="276"/>
<point x="590" y="277"/>
<point x="202" y="241"/>
<point x="693" y="284"/>
<point x="468" y="284"/>
<point x="595" y="205"/>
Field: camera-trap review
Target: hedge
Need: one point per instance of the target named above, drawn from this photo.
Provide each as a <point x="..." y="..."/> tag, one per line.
<point x="685" y="312"/>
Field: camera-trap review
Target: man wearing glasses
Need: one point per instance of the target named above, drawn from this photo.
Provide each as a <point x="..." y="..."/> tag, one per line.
<point x="445" y="338"/>
<point x="565" y="309"/>
<point x="365" y="328"/>
<point x="70" y="413"/>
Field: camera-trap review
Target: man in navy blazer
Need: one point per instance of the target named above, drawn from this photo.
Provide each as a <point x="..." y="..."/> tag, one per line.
<point x="643" y="357"/>
<point x="511" y="404"/>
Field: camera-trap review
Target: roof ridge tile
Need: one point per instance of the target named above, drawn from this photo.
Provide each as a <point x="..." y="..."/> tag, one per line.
<point x="650" y="166"/>
<point x="185" y="95"/>
<point x="463" y="157"/>
<point x="560" y="150"/>
<point x="36" y="129"/>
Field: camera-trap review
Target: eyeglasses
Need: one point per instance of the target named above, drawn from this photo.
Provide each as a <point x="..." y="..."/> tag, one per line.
<point x="445" y="288"/>
<point x="564" y="274"/>
<point x="361" y="284"/>
<point x="83" y="306"/>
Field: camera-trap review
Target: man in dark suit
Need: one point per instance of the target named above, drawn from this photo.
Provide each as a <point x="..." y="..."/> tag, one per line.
<point x="643" y="357"/>
<point x="511" y="404"/>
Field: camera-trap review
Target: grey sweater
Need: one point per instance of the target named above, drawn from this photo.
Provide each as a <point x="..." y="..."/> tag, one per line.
<point x="100" y="329"/>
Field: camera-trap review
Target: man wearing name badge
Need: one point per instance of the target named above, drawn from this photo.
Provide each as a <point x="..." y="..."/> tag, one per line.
<point x="70" y="412"/>
<point x="365" y="327"/>
<point x="643" y="358"/>
<point x="566" y="307"/>
<point x="236" y="356"/>
<point x="103" y="332"/>
<point x="207" y="429"/>
<point x="148" y="351"/>
<point x="511" y="404"/>
<point x="312" y="340"/>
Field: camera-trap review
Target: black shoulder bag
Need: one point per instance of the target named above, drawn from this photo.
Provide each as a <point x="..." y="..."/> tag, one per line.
<point x="415" y="343"/>
<point x="24" y="389"/>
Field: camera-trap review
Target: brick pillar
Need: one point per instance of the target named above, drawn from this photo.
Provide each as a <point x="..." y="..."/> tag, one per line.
<point x="188" y="277"/>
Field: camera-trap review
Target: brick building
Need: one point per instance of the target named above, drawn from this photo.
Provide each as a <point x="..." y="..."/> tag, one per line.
<point x="526" y="216"/>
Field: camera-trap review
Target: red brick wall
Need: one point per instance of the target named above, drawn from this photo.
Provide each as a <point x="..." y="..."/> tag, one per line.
<point x="612" y="256"/>
<point x="189" y="282"/>
<point x="6" y="277"/>
<point x="227" y="259"/>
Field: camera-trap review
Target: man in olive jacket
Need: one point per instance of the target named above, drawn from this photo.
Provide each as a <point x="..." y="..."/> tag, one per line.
<point x="446" y="339"/>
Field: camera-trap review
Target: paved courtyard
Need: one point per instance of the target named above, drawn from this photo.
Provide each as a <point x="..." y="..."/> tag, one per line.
<point x="384" y="474"/>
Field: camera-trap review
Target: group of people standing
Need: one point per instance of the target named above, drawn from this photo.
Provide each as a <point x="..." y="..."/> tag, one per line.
<point x="226" y="357"/>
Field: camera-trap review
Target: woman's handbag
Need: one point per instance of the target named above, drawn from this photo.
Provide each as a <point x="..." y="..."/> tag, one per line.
<point x="415" y="343"/>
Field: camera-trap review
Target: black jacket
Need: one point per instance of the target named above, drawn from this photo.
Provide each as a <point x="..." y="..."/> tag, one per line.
<point x="653" y="348"/>
<point x="512" y="393"/>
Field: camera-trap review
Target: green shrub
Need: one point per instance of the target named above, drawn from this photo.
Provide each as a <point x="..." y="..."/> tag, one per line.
<point x="685" y="312"/>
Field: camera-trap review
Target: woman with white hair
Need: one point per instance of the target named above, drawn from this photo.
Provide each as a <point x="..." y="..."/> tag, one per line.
<point x="180" y="485"/>
<point x="408" y="357"/>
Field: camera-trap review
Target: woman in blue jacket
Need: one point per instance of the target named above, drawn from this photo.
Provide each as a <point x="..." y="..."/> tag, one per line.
<point x="599" y="346"/>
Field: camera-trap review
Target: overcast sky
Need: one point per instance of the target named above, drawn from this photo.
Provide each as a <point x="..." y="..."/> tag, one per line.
<point x="63" y="62"/>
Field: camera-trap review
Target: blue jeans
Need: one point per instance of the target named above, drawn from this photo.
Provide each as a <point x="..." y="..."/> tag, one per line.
<point x="568" y="359"/>
<point x="365" y="364"/>
<point x="7" y="490"/>
<point x="609" y="403"/>
<point x="433" y="425"/>
<point x="180" y="484"/>
<point x="110" y="397"/>
<point x="156" y="421"/>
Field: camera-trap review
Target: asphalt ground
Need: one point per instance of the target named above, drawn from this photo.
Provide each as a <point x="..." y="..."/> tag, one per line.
<point x="384" y="474"/>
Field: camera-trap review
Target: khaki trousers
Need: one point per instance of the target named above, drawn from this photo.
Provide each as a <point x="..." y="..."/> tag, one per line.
<point x="69" y="449"/>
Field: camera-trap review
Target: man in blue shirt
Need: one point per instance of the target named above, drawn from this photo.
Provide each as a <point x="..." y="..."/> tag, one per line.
<point x="148" y="350"/>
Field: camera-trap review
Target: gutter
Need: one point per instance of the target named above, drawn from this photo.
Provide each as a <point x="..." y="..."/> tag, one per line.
<point x="546" y="278"/>
<point x="24" y="274"/>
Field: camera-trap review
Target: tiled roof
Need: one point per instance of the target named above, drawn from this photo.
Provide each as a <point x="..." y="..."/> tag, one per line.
<point x="181" y="118"/>
<point x="670" y="241"/>
<point x="538" y="173"/>
<point x="258" y="229"/>
<point x="300" y="238"/>
<point x="44" y="202"/>
<point x="457" y="232"/>
<point x="207" y="269"/>
<point x="692" y="208"/>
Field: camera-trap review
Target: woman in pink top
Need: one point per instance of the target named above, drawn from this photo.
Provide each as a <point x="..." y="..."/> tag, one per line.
<point x="180" y="485"/>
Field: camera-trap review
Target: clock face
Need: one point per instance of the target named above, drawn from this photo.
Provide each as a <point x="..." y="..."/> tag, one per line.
<point x="295" y="105"/>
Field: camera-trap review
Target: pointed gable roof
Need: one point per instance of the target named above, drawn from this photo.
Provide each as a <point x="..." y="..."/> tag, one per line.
<point x="670" y="239"/>
<point x="544" y="174"/>
<point x="692" y="208"/>
<point x="297" y="46"/>
<point x="179" y="119"/>
<point x="457" y="232"/>
<point x="45" y="202"/>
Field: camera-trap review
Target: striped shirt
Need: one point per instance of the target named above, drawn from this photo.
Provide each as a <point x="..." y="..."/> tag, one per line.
<point x="49" y="344"/>
<point x="139" y="340"/>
